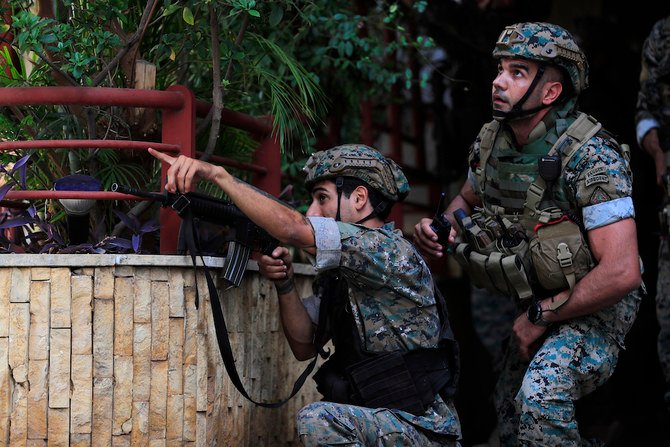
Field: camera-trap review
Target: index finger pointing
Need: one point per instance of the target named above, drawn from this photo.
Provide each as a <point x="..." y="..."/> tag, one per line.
<point x="161" y="156"/>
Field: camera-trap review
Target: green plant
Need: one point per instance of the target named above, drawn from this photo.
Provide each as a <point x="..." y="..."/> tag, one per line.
<point x="296" y="60"/>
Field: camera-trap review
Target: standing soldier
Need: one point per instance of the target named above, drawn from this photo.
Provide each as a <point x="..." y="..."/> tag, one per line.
<point x="653" y="135"/>
<point x="547" y="218"/>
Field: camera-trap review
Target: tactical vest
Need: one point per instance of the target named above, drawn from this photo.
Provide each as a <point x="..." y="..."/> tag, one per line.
<point x="536" y="246"/>
<point x="408" y="380"/>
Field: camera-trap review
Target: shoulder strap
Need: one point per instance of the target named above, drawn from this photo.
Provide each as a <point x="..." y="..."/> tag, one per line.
<point x="489" y="133"/>
<point x="222" y="337"/>
<point x="580" y="131"/>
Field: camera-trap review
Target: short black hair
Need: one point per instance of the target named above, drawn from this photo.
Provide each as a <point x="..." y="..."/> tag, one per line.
<point x="566" y="81"/>
<point x="374" y="196"/>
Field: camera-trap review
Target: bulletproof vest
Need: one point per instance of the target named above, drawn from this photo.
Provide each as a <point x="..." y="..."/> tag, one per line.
<point x="403" y="380"/>
<point x="519" y="190"/>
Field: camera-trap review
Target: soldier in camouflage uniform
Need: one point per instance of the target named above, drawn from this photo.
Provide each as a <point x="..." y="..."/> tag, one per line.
<point x="393" y="372"/>
<point x="538" y="166"/>
<point x="652" y="122"/>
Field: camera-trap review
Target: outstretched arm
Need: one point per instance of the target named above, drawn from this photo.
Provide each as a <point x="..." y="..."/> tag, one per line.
<point x="281" y="221"/>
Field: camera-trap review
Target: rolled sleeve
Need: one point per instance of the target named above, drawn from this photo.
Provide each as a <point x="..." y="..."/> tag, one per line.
<point x="472" y="178"/>
<point x="605" y="213"/>
<point x="312" y="305"/>
<point x="643" y="127"/>
<point x="328" y="243"/>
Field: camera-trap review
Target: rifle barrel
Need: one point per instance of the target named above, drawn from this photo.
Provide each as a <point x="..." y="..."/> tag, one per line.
<point x="138" y="192"/>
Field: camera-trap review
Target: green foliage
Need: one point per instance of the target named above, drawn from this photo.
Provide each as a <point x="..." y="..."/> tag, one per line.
<point x="298" y="60"/>
<point x="354" y="54"/>
<point x="280" y="57"/>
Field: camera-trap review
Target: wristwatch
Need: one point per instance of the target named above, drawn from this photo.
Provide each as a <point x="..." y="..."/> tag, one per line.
<point x="534" y="314"/>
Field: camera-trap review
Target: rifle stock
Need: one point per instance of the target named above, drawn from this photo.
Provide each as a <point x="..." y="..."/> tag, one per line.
<point x="247" y="236"/>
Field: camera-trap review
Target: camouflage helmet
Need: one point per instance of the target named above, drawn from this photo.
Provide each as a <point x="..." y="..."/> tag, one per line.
<point x="545" y="42"/>
<point x="362" y="162"/>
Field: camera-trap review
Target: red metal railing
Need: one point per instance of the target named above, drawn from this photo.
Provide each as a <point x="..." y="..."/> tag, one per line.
<point x="178" y="107"/>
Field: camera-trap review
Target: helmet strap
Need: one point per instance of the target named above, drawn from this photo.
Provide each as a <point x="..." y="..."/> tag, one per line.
<point x="381" y="206"/>
<point x="378" y="209"/>
<point x="517" y="112"/>
<point x="339" y="182"/>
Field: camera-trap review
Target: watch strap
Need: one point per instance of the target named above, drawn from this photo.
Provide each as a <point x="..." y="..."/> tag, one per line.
<point x="534" y="314"/>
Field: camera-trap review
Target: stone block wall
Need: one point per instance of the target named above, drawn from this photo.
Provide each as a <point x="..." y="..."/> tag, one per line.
<point x="110" y="350"/>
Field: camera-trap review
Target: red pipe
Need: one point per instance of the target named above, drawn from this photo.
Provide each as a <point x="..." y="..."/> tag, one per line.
<point x="36" y="194"/>
<point x="178" y="112"/>
<point x="268" y="154"/>
<point x="257" y="125"/>
<point x="87" y="144"/>
<point x="100" y="96"/>
<point x="225" y="161"/>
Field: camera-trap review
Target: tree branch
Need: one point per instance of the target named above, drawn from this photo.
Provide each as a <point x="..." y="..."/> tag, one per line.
<point x="217" y="92"/>
<point x="134" y="39"/>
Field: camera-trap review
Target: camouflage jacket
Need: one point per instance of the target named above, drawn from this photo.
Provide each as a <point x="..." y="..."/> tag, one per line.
<point x="391" y="296"/>
<point x="595" y="187"/>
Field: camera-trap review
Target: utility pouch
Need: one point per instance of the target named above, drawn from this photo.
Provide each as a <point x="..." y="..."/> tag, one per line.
<point x="478" y="272"/>
<point x="385" y="381"/>
<point x="462" y="255"/>
<point x="333" y="384"/>
<point x="495" y="271"/>
<point x="517" y="276"/>
<point x="559" y="253"/>
<point x="474" y="264"/>
<point x="498" y="272"/>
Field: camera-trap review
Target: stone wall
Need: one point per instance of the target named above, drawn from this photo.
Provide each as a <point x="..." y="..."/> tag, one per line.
<point x="107" y="350"/>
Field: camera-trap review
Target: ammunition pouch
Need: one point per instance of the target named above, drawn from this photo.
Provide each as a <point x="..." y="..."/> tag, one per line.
<point x="555" y="258"/>
<point x="407" y="381"/>
<point x="333" y="384"/>
<point x="504" y="271"/>
<point x="559" y="254"/>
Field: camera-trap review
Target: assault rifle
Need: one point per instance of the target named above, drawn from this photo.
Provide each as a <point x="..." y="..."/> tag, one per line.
<point x="246" y="236"/>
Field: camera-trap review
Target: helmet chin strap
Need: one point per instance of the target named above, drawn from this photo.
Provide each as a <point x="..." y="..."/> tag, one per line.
<point x="516" y="112"/>
<point x="339" y="182"/>
<point x="378" y="209"/>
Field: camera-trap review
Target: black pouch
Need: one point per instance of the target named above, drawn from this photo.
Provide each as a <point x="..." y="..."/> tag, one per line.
<point x="333" y="385"/>
<point x="384" y="381"/>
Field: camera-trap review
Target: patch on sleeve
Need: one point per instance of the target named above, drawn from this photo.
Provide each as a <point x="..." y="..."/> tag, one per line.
<point x="597" y="175"/>
<point x="599" y="196"/>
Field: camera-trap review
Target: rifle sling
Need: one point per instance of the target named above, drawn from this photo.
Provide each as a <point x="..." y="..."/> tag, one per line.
<point x="220" y="323"/>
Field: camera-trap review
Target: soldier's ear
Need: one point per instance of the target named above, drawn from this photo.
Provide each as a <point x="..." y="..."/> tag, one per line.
<point x="360" y="196"/>
<point x="551" y="92"/>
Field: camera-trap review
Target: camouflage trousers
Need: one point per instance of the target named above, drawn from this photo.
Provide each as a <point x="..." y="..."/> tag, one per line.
<point x="535" y="401"/>
<point x="663" y="311"/>
<point x="327" y="423"/>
